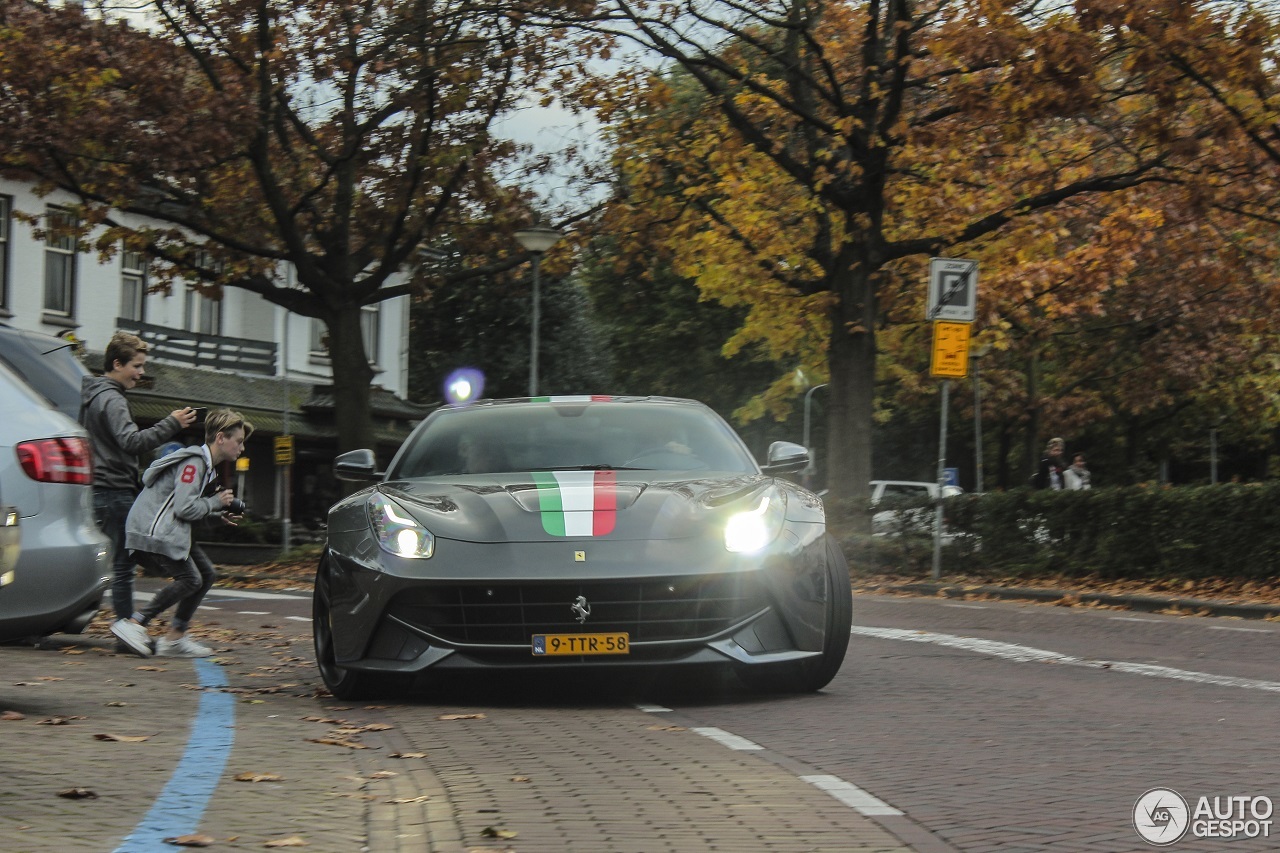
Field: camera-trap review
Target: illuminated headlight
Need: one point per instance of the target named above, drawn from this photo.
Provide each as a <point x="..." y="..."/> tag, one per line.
<point x="396" y="530"/>
<point x="750" y="531"/>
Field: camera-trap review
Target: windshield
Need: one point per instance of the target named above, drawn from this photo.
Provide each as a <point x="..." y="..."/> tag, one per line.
<point x="558" y="436"/>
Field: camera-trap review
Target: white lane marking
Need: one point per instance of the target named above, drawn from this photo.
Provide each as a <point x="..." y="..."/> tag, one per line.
<point x="851" y="795"/>
<point x="1134" y="619"/>
<point x="254" y="612"/>
<point x="728" y="739"/>
<point x="245" y="593"/>
<point x="966" y="606"/>
<point x="299" y="618"/>
<point x="1233" y="628"/>
<point x="207" y="607"/>
<point x="1027" y="654"/>
<point x="653" y="709"/>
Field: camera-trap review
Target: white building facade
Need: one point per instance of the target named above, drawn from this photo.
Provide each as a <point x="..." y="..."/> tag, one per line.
<point x="46" y="286"/>
<point x="239" y="351"/>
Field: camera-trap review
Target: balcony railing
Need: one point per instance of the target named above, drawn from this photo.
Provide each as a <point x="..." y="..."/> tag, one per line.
<point x="212" y="351"/>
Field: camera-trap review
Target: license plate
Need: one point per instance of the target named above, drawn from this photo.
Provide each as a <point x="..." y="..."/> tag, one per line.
<point x="582" y="644"/>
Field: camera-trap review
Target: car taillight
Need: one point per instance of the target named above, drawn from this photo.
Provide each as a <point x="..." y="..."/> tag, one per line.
<point x="57" y="460"/>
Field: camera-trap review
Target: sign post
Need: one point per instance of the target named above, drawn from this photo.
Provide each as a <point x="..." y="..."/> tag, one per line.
<point x="952" y="303"/>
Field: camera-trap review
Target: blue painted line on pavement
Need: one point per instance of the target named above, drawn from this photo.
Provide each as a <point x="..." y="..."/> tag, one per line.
<point x="184" y="799"/>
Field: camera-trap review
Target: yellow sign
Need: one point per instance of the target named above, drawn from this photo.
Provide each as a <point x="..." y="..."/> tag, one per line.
<point x="950" y="350"/>
<point x="242" y="464"/>
<point x="284" y="449"/>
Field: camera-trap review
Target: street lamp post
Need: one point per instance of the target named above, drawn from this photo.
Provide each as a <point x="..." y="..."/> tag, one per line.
<point x="809" y="469"/>
<point x="536" y="240"/>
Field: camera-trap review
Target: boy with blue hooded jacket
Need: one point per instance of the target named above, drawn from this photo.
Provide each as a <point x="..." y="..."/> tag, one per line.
<point x="158" y="534"/>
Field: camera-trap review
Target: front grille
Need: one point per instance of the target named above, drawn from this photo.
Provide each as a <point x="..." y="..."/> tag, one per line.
<point x="649" y="610"/>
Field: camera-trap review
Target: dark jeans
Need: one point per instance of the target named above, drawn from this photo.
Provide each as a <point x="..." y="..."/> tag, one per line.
<point x="192" y="578"/>
<point x="111" y="509"/>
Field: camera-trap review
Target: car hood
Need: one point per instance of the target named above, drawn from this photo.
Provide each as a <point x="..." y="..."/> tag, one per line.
<point x="538" y="507"/>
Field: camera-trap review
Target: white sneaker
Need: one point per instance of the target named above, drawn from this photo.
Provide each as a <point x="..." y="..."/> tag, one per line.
<point x="132" y="635"/>
<point x="181" y="648"/>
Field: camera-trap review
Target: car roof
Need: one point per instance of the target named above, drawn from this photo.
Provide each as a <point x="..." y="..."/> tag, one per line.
<point x="47" y="364"/>
<point x="581" y="398"/>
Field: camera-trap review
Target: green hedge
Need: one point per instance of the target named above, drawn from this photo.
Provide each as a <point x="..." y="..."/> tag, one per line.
<point x="1222" y="531"/>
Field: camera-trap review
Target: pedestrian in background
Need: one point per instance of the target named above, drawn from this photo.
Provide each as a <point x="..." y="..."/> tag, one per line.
<point x="159" y="534"/>
<point x="1077" y="474"/>
<point x="1054" y="462"/>
<point x="117" y="442"/>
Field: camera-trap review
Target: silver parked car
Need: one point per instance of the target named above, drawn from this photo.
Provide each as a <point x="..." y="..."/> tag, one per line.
<point x="46" y="475"/>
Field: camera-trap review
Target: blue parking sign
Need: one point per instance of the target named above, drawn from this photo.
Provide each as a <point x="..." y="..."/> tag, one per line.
<point x="951" y="476"/>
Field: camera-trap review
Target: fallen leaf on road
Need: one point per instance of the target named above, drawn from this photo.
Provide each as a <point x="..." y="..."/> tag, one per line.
<point x="117" y="705"/>
<point x="521" y="779"/>
<point x="333" y="741"/>
<point x="408" y="755"/>
<point x="490" y="832"/>
<point x="78" y="794"/>
<point x="376" y="727"/>
<point x="13" y="715"/>
<point x="667" y="728"/>
<point x="50" y="678"/>
<point x="259" y="777"/>
<point x="73" y="651"/>
<point x="461" y="717"/>
<point x="125" y="738"/>
<point x="150" y="669"/>
<point x="404" y="801"/>
<point x="382" y="774"/>
<point x="191" y="841"/>
<point x="291" y="841"/>
<point x="59" y="721"/>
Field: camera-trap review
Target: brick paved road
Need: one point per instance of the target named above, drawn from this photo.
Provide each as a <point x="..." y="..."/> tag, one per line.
<point x="566" y="771"/>
<point x="981" y="748"/>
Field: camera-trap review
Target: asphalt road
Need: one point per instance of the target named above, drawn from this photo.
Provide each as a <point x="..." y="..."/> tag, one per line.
<point x="953" y="726"/>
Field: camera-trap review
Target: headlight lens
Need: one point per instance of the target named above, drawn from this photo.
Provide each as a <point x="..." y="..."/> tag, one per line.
<point x="752" y="530"/>
<point x="397" y="532"/>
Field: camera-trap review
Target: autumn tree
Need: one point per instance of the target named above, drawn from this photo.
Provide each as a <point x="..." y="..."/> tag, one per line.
<point x="338" y="137"/>
<point x="909" y="129"/>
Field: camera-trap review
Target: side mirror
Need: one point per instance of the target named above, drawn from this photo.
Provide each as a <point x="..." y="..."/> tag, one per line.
<point x="357" y="466"/>
<point x="785" y="457"/>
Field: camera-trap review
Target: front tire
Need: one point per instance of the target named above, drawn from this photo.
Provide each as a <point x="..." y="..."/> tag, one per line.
<point x="343" y="683"/>
<point x="815" y="673"/>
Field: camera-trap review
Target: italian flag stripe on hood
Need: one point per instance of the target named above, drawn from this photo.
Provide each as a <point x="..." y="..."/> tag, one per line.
<point x="577" y="503"/>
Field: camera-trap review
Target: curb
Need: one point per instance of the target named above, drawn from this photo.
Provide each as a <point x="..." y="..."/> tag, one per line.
<point x="1144" y="603"/>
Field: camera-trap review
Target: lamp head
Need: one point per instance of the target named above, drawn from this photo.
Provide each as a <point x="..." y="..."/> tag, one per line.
<point x="538" y="239"/>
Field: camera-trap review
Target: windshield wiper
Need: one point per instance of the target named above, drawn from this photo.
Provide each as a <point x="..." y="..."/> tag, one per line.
<point x="592" y="468"/>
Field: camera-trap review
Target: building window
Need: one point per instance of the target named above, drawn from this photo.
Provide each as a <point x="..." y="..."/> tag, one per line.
<point x="6" y="209"/>
<point x="133" y="286"/>
<point x="369" y="321"/>
<point x="203" y="315"/>
<point x="59" y="264"/>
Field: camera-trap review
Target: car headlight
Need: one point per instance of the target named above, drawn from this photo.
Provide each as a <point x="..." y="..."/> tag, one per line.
<point x="751" y="530"/>
<point x="397" y="531"/>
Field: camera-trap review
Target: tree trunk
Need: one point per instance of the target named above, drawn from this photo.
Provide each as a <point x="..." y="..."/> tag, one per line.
<point x="1031" y="446"/>
<point x="851" y="362"/>
<point x="352" y="378"/>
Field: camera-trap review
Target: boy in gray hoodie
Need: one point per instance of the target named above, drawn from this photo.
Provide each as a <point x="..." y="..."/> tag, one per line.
<point x="158" y="534"/>
<point x="116" y="441"/>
